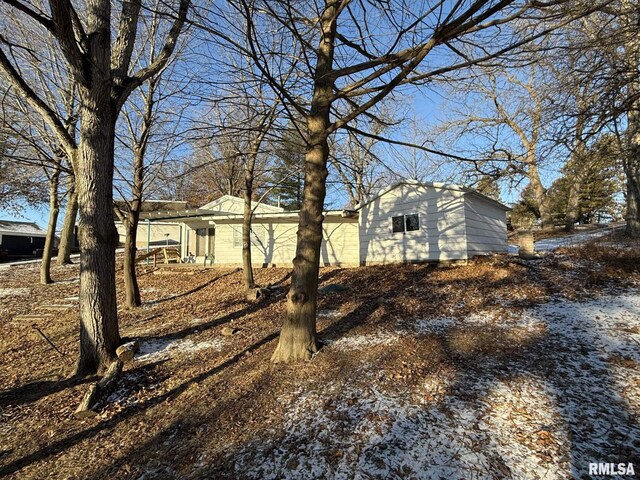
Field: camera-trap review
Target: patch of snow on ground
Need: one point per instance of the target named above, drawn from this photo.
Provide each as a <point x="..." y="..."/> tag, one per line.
<point x="545" y="414"/>
<point x="159" y="349"/>
<point x="357" y="342"/>
<point x="549" y="244"/>
<point x="10" y="292"/>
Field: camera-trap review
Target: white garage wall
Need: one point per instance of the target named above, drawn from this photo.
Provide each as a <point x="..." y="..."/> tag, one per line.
<point x="441" y="236"/>
<point x="486" y="226"/>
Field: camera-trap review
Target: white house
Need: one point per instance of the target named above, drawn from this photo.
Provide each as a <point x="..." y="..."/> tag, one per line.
<point x="407" y="222"/>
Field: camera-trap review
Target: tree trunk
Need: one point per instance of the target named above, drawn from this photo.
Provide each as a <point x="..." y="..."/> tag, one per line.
<point x="131" y="289"/>
<point x="572" y="215"/>
<point x="632" y="172"/>
<point x="632" y="165"/>
<point x="298" y="335"/>
<point x="54" y="208"/>
<point x="540" y="195"/>
<point x="247" y="268"/>
<point x="99" y="335"/>
<point x="68" y="227"/>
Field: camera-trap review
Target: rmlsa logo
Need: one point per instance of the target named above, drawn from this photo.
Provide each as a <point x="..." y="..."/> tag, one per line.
<point x="611" y="469"/>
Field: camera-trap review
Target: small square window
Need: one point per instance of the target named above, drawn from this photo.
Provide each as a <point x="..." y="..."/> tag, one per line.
<point x="398" y="224"/>
<point x="412" y="222"/>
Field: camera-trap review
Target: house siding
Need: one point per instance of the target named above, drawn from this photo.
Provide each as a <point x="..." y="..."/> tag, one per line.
<point x="442" y="233"/>
<point x="277" y="245"/>
<point x="158" y="233"/>
<point x="486" y="226"/>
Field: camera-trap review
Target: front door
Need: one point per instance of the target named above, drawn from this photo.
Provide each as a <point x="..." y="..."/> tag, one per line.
<point x="201" y="242"/>
<point x="212" y="241"/>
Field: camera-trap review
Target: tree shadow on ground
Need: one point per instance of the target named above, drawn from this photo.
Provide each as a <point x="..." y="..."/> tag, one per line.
<point x="33" y="391"/>
<point x="65" y="443"/>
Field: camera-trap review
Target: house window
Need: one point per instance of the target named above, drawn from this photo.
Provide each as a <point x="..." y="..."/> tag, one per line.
<point x="412" y="222"/>
<point x="237" y="237"/>
<point x="405" y="223"/>
<point x="398" y="224"/>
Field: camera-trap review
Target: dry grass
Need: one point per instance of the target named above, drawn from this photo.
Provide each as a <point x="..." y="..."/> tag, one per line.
<point x="176" y="414"/>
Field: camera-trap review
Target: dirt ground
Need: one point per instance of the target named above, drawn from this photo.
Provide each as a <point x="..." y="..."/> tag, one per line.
<point x="197" y="404"/>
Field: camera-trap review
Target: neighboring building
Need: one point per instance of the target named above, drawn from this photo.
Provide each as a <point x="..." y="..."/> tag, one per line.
<point x="154" y="233"/>
<point x="407" y="222"/>
<point x="430" y="222"/>
<point x="21" y="239"/>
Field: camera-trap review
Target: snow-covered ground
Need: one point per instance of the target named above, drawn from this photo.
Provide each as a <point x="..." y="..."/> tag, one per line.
<point x="549" y="244"/>
<point x="162" y="349"/>
<point x="572" y="399"/>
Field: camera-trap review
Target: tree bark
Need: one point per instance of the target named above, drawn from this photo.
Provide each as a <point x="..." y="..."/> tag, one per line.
<point x="99" y="335"/>
<point x="298" y="335"/>
<point x="572" y="215"/>
<point x="131" y="289"/>
<point x="54" y="208"/>
<point x="68" y="227"/>
<point x="540" y="195"/>
<point x="631" y="20"/>
<point x="632" y="173"/>
<point x="247" y="268"/>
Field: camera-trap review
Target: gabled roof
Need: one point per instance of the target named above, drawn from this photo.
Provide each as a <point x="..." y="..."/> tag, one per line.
<point x="152" y="205"/>
<point x="440" y="185"/>
<point x="218" y="204"/>
<point x="11" y="227"/>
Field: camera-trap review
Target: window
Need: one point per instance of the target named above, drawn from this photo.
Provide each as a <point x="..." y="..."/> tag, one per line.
<point x="405" y="223"/>
<point x="237" y="237"/>
<point x="398" y="224"/>
<point x="412" y="222"/>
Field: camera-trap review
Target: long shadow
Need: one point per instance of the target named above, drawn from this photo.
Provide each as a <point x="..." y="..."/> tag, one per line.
<point x="365" y="309"/>
<point x="65" y="443"/>
<point x="251" y="308"/>
<point x="34" y="391"/>
<point x="193" y="290"/>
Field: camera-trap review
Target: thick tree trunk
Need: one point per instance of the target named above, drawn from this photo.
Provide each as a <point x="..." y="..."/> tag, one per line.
<point x="632" y="168"/>
<point x="572" y="215"/>
<point x="131" y="289"/>
<point x="68" y="227"/>
<point x="54" y="208"/>
<point x="99" y="335"/>
<point x="298" y="335"/>
<point x="632" y="172"/>
<point x="540" y="195"/>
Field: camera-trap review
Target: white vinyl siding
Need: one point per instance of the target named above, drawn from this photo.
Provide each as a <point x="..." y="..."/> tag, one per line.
<point x="277" y="245"/>
<point x="441" y="236"/>
<point x="486" y="226"/>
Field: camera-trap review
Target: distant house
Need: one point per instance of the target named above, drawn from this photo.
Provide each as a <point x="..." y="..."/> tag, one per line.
<point x="407" y="222"/>
<point x="20" y="239"/>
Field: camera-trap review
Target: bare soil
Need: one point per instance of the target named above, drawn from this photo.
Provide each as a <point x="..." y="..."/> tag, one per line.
<point x="193" y="398"/>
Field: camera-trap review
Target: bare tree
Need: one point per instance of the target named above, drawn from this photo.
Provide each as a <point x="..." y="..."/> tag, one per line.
<point x="502" y="123"/>
<point x="349" y="70"/>
<point x="101" y="70"/>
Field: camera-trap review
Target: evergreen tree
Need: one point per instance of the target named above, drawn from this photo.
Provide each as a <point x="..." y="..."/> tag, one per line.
<point x="288" y="171"/>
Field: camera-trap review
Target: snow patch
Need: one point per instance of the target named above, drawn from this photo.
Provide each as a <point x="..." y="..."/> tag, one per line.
<point x="11" y="292"/>
<point x="571" y="400"/>
<point x="158" y="349"/>
<point x="358" y="342"/>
